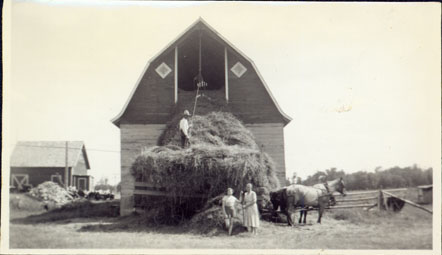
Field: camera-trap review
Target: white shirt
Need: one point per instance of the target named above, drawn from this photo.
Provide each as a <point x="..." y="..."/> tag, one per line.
<point x="229" y="201"/>
<point x="184" y="126"/>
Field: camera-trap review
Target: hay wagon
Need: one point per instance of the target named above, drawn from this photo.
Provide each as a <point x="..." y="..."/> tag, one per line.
<point x="167" y="84"/>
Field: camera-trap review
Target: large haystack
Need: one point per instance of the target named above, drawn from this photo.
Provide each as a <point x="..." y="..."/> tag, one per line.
<point x="223" y="153"/>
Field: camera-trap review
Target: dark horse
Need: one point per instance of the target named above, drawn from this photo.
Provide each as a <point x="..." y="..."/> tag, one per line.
<point x="300" y="196"/>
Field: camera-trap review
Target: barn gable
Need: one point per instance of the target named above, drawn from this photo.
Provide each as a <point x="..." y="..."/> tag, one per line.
<point x="226" y="69"/>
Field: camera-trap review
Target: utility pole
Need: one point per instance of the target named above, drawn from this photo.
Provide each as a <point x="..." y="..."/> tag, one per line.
<point x="66" y="170"/>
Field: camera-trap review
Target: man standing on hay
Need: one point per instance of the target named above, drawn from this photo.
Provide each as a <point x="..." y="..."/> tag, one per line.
<point x="184" y="129"/>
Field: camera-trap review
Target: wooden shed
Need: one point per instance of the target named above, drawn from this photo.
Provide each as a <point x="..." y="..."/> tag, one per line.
<point x="169" y="77"/>
<point x="425" y="194"/>
<point x="66" y="163"/>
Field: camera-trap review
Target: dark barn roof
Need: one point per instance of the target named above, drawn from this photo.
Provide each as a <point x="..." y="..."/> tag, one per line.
<point x="136" y="108"/>
<point x="47" y="154"/>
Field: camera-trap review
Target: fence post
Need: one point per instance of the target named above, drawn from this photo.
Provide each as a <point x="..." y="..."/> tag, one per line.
<point x="381" y="201"/>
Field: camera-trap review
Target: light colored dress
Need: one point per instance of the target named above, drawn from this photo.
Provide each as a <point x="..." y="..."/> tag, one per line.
<point x="251" y="214"/>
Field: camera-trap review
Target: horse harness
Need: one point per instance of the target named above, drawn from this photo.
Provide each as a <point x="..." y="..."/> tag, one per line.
<point x="326" y="187"/>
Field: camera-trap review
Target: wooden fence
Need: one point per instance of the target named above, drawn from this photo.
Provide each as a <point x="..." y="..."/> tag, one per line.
<point x="371" y="199"/>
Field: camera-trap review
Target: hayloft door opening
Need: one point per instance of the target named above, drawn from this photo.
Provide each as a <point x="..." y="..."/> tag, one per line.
<point x="200" y="48"/>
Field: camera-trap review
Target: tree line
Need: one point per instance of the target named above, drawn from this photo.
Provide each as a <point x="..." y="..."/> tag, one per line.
<point x="395" y="177"/>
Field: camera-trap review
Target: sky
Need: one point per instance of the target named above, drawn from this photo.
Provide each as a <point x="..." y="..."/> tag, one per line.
<point x="361" y="80"/>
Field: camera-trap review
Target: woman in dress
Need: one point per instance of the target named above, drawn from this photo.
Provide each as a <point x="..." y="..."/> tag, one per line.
<point x="251" y="214"/>
<point x="229" y="211"/>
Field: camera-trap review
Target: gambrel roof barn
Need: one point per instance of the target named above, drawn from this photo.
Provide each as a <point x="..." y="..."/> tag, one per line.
<point x="169" y="77"/>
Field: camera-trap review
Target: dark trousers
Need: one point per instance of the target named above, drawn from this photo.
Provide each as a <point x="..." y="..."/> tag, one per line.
<point x="184" y="140"/>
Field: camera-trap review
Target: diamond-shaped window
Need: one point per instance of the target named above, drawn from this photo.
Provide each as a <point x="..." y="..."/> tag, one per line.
<point x="163" y="70"/>
<point x="238" y="69"/>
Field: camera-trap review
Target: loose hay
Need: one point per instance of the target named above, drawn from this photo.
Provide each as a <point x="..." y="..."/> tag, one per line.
<point x="51" y="192"/>
<point x="223" y="153"/>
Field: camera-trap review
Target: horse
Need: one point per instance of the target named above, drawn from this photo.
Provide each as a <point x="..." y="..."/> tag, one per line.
<point x="335" y="185"/>
<point x="297" y="195"/>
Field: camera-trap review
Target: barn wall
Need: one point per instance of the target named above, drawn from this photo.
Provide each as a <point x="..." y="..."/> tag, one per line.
<point x="80" y="168"/>
<point x="37" y="175"/>
<point x="134" y="137"/>
<point x="270" y="137"/>
<point x="248" y="97"/>
<point x="153" y="99"/>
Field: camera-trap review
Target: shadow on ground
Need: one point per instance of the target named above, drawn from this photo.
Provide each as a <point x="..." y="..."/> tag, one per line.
<point x="139" y="223"/>
<point x="81" y="209"/>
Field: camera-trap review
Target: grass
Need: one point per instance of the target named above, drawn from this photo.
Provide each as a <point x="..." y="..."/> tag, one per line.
<point x="343" y="229"/>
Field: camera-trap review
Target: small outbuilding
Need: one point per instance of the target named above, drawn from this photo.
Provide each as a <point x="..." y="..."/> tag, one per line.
<point x="425" y="194"/>
<point x="63" y="162"/>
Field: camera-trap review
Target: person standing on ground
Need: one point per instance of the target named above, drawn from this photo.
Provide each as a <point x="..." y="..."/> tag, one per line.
<point x="184" y="129"/>
<point x="229" y="211"/>
<point x="251" y="214"/>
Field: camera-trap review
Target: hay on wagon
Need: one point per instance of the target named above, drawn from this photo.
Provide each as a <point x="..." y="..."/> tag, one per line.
<point x="222" y="153"/>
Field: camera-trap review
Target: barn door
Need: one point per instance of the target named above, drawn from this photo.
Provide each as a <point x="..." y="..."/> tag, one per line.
<point x="81" y="184"/>
<point x="18" y="180"/>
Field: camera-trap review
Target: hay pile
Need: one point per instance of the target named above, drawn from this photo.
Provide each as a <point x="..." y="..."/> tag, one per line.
<point x="223" y="153"/>
<point x="210" y="220"/>
<point x="52" y="193"/>
<point x="208" y="101"/>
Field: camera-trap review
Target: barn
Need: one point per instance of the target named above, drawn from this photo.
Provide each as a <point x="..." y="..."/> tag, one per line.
<point x="63" y="162"/>
<point x="169" y="77"/>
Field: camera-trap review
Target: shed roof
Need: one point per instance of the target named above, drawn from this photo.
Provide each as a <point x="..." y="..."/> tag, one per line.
<point x="47" y="154"/>
<point x="200" y="23"/>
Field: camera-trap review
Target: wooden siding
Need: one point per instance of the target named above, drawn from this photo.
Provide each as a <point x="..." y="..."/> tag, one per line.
<point x="248" y="97"/>
<point x="153" y="100"/>
<point x="80" y="168"/>
<point x="134" y="138"/>
<point x="270" y="137"/>
<point x="38" y="175"/>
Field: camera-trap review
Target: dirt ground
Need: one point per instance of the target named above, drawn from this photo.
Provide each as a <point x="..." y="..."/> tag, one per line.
<point x="345" y="229"/>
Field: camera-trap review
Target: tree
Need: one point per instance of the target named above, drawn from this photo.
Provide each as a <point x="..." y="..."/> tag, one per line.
<point x="394" y="177"/>
<point x="287" y="182"/>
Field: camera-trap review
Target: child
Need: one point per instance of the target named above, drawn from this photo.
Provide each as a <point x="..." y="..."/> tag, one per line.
<point x="229" y="209"/>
